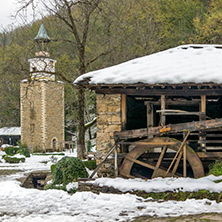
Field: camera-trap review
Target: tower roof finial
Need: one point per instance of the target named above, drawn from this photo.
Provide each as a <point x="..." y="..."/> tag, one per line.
<point x="42" y="34"/>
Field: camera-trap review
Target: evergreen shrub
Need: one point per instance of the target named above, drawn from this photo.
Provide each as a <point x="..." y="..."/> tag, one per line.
<point x="10" y="159"/>
<point x="67" y="170"/>
<point x="11" y="151"/>
<point x="90" y="164"/>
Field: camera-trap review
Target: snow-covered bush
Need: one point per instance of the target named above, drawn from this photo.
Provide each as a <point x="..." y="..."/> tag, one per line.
<point x="11" y="151"/>
<point x="66" y="171"/>
<point x="11" y="159"/>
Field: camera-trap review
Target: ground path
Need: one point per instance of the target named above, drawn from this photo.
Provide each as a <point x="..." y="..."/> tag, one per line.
<point x="32" y="205"/>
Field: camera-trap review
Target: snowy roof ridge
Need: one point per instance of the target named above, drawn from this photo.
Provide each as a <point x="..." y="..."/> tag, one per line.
<point x="10" y="131"/>
<point x="193" y="63"/>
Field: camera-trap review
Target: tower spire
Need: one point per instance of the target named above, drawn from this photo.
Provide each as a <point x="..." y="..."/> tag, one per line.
<point x="42" y="41"/>
<point x="42" y="66"/>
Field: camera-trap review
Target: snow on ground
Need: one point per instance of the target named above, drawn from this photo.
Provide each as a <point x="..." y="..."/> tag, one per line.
<point x="184" y="64"/>
<point x="163" y="184"/>
<point x="32" y="205"/>
<point x="35" y="162"/>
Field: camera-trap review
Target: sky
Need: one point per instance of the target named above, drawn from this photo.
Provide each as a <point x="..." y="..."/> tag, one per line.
<point x="7" y="8"/>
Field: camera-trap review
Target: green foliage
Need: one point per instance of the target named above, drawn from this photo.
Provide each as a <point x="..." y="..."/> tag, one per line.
<point x="89" y="146"/>
<point x="209" y="26"/>
<point x="55" y="186"/>
<point x="11" y="151"/>
<point x="10" y="159"/>
<point x="182" y="196"/>
<point x="53" y="167"/>
<point x="69" y="169"/>
<point x="21" y="145"/>
<point x="216" y="168"/>
<point x="49" y="154"/>
<point x="90" y="164"/>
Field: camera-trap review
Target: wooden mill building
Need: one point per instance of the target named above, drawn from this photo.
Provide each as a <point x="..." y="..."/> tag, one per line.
<point x="164" y="111"/>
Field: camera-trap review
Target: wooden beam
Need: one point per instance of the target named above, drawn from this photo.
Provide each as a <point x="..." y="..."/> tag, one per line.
<point x="159" y="92"/>
<point x="213" y="155"/>
<point x="171" y="128"/>
<point x="150" y="143"/>
<point x="123" y="111"/>
<point x="182" y="102"/>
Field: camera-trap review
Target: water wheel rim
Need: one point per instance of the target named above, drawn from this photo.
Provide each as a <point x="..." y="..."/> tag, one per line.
<point x="138" y="150"/>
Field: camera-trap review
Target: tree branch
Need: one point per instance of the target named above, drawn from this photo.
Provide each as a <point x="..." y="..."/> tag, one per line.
<point x="98" y="56"/>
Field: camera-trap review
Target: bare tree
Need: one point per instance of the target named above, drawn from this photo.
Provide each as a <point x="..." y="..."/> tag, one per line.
<point x="76" y="15"/>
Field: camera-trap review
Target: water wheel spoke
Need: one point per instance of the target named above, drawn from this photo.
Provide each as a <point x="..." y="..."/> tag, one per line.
<point x="177" y="163"/>
<point x="147" y="165"/>
<point x="155" y="173"/>
<point x="159" y="171"/>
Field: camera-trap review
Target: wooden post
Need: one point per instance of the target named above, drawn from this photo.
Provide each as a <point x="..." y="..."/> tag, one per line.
<point x="123" y="111"/>
<point x="116" y="162"/>
<point x="203" y="117"/>
<point x="184" y="160"/>
<point x="123" y="116"/>
<point x="163" y="107"/>
<point x="150" y="122"/>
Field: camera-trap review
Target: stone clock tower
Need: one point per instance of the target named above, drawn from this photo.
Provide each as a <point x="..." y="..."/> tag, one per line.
<point x="42" y="101"/>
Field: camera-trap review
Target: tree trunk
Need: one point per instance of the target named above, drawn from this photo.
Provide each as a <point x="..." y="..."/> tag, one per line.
<point x="81" y="149"/>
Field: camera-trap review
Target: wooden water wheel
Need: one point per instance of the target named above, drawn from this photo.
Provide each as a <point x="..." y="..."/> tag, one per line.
<point x="161" y="156"/>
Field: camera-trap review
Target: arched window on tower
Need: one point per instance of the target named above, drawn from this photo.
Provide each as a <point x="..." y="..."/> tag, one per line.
<point x="54" y="144"/>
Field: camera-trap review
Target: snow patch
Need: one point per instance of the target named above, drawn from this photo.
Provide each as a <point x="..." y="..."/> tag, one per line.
<point x="162" y="184"/>
<point x="72" y="185"/>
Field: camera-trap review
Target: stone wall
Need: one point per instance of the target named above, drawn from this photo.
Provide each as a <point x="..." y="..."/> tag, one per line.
<point x="108" y="121"/>
<point x="42" y="114"/>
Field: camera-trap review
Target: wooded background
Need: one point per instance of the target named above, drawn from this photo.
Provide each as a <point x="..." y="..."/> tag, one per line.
<point x="117" y="31"/>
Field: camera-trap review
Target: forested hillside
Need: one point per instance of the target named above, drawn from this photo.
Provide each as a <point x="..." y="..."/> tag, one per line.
<point x="117" y="31"/>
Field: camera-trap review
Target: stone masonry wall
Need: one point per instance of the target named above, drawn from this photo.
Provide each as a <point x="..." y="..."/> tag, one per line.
<point x="108" y="121"/>
<point x="54" y="115"/>
<point x="42" y="114"/>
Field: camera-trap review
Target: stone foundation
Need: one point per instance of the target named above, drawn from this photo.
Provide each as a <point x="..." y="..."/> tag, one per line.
<point x="108" y="121"/>
<point x="37" y="179"/>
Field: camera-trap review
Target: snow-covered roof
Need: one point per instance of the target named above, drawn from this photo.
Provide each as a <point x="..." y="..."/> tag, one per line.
<point x="195" y="63"/>
<point x="10" y="131"/>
